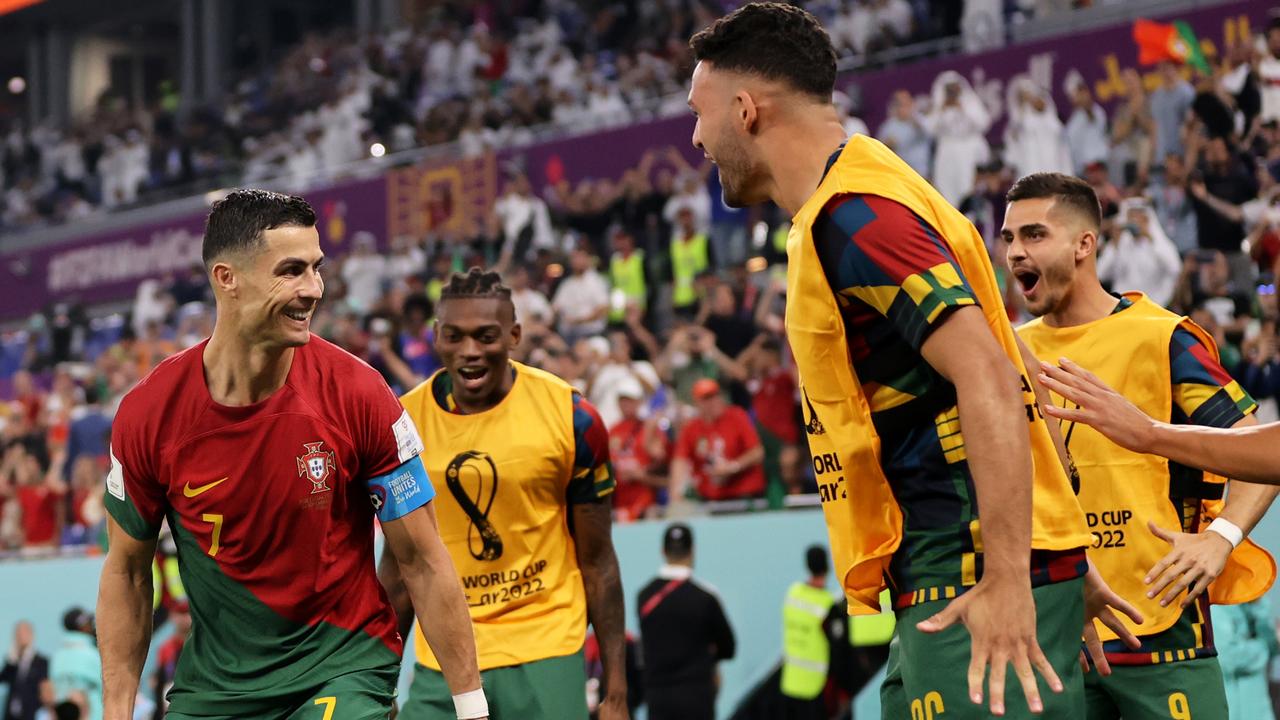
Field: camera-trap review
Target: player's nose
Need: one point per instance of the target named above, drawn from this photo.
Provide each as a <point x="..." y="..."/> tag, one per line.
<point x="312" y="287"/>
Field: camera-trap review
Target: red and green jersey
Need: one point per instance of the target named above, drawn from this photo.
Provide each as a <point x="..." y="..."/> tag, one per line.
<point x="272" y="508"/>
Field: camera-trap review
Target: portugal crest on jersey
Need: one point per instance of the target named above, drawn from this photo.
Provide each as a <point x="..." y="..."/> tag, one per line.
<point x="316" y="464"/>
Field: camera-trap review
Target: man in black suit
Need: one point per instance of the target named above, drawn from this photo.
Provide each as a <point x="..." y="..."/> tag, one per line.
<point x="26" y="672"/>
<point x="683" y="635"/>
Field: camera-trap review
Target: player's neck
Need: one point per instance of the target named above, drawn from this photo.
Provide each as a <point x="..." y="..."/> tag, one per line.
<point x="1088" y="302"/>
<point x="240" y="373"/>
<point x="798" y="159"/>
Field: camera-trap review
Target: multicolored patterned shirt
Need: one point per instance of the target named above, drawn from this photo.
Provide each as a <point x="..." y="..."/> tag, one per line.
<point x="896" y="281"/>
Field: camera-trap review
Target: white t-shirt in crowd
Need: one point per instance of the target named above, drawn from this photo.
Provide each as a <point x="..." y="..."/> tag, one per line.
<point x="578" y="298"/>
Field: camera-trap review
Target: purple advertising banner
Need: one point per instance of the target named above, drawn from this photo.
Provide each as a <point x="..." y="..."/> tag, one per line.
<point x="606" y="154"/>
<point x="1097" y="57"/>
<point x="108" y="266"/>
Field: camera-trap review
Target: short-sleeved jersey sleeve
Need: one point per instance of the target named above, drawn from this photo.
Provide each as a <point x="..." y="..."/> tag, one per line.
<point x="134" y="495"/>
<point x="390" y="447"/>
<point x="1203" y="392"/>
<point x="880" y="252"/>
<point x="592" y="470"/>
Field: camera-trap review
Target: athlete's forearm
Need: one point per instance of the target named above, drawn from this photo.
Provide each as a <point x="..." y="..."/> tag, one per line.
<point x="397" y="593"/>
<point x="1247" y="502"/>
<point x="124" y="633"/>
<point x="994" y="425"/>
<point x="1245" y="454"/>
<point x="443" y="616"/>
<point x="603" y="584"/>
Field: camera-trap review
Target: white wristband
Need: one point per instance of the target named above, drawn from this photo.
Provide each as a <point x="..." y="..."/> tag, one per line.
<point x="471" y="705"/>
<point x="1227" y="529"/>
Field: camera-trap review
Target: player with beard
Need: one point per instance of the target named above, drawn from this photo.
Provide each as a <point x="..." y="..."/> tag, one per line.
<point x="527" y="517"/>
<point x="1146" y="515"/>
<point x="269" y="451"/>
<point x="920" y="414"/>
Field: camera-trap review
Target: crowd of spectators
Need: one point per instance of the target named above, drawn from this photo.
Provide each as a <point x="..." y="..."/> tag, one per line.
<point x="664" y="307"/>
<point x="481" y="74"/>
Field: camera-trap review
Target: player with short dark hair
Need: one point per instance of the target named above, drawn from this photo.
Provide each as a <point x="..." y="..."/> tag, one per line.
<point x="527" y="517"/>
<point x="269" y="451"/>
<point x="1052" y="226"/>
<point x="918" y="406"/>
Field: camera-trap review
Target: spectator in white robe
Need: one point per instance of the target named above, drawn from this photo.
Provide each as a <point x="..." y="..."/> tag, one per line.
<point x="958" y="122"/>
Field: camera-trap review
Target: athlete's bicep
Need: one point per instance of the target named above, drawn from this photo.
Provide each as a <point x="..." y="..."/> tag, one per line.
<point x="882" y="254"/>
<point x="399" y="492"/>
<point x="963" y="346"/>
<point x="128" y="554"/>
<point x="413" y="539"/>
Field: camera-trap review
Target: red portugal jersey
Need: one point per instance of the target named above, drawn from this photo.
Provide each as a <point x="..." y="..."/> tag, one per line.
<point x="272" y="508"/>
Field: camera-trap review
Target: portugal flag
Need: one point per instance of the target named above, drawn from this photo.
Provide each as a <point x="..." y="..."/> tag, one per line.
<point x="1158" y="42"/>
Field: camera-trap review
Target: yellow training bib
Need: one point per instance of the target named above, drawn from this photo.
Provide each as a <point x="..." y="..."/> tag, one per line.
<point x="863" y="518"/>
<point x="502" y="478"/>
<point x="1121" y="490"/>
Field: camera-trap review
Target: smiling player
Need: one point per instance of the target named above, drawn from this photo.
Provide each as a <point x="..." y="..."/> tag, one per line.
<point x="527" y="517"/>
<point x="941" y="480"/>
<point x="268" y="450"/>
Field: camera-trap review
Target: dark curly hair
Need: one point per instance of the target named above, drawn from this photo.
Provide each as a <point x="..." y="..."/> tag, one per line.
<point x="775" y="41"/>
<point x="476" y="283"/>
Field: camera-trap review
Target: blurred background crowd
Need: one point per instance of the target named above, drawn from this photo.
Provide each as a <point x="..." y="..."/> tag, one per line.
<point x="660" y="304"/>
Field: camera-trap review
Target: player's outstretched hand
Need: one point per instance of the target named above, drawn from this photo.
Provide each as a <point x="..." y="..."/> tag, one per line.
<point x="1001" y="619"/>
<point x="1194" y="561"/>
<point x="1096" y="404"/>
<point x="614" y="707"/>
<point x="1100" y="603"/>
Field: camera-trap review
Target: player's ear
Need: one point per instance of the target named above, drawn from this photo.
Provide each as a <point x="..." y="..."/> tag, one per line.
<point x="516" y="333"/>
<point x="1086" y="244"/>
<point x="223" y="277"/>
<point x="748" y="112"/>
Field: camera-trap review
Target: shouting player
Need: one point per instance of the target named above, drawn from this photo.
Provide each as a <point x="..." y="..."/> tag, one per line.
<point x="1052" y="227"/>
<point x="526" y="517"/>
<point x="269" y="451"/>
<point x="919" y="410"/>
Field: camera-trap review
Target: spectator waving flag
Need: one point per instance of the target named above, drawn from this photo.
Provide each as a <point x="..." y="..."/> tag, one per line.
<point x="1175" y="42"/>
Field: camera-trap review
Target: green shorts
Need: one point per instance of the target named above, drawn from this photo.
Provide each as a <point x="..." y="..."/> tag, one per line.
<point x="364" y="695"/>
<point x="927" y="675"/>
<point x="1185" y="690"/>
<point x="551" y="689"/>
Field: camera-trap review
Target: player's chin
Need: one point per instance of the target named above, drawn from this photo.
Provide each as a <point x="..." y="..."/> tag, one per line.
<point x="295" y="337"/>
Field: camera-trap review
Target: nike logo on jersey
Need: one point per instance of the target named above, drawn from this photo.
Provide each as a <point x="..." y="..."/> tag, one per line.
<point x="191" y="492"/>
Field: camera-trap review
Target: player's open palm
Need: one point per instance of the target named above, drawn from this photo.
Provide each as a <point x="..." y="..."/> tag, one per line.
<point x="1194" y="561"/>
<point x="1094" y="403"/>
<point x="1001" y="619"/>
